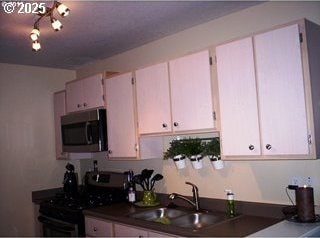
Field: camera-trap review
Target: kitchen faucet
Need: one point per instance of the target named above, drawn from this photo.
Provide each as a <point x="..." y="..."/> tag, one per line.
<point x="195" y="203"/>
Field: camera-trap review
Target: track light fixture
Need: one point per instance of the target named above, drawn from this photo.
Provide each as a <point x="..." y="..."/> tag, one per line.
<point x="63" y="11"/>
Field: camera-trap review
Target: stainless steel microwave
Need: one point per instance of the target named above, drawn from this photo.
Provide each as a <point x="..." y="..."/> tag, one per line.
<point x="84" y="131"/>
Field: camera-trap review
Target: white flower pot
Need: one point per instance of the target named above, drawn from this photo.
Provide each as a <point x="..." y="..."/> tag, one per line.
<point x="216" y="162"/>
<point x="196" y="161"/>
<point x="180" y="161"/>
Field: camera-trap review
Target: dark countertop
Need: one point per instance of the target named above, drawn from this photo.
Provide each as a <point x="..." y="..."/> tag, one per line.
<point x="41" y="195"/>
<point x="255" y="216"/>
<point x="239" y="226"/>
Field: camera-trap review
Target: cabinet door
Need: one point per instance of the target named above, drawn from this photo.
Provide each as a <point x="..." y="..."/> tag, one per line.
<point x="281" y="92"/>
<point x="59" y="104"/>
<point x="120" y="116"/>
<point x="238" y="98"/>
<point x="98" y="228"/>
<point x="191" y="93"/>
<point x="74" y="96"/>
<point x="153" y="99"/>
<point x="128" y="231"/>
<point x="92" y="92"/>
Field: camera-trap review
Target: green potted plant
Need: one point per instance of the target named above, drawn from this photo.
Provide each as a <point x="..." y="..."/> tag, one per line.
<point x="176" y="152"/>
<point x="212" y="150"/>
<point x="194" y="150"/>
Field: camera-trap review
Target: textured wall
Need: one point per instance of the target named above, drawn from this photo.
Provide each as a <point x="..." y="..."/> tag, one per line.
<point x="27" y="152"/>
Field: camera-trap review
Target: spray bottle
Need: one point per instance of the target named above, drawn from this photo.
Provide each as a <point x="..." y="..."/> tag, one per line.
<point x="231" y="212"/>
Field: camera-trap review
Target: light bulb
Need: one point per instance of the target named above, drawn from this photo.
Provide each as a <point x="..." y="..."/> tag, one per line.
<point x="36" y="45"/>
<point x="34" y="35"/>
<point x="56" y="24"/>
<point x="63" y="10"/>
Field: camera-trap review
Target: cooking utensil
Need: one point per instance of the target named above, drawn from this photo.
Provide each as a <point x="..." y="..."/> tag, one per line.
<point x="145" y="176"/>
<point x="138" y="179"/>
<point x="155" y="178"/>
<point x="148" y="176"/>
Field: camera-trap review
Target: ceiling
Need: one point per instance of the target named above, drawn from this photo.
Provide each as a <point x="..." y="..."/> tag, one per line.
<point x="96" y="30"/>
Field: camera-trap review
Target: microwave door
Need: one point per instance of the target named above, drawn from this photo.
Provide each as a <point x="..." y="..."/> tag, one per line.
<point x="75" y="134"/>
<point x="84" y="131"/>
<point x="81" y="137"/>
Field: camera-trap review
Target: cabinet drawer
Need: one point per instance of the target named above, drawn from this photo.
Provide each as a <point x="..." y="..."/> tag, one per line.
<point x="128" y="231"/>
<point x="98" y="228"/>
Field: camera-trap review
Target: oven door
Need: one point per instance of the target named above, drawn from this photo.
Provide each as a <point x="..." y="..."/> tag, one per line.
<point x="56" y="228"/>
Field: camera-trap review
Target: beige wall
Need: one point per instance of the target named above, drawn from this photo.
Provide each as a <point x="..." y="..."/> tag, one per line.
<point x="259" y="181"/>
<point x="27" y="152"/>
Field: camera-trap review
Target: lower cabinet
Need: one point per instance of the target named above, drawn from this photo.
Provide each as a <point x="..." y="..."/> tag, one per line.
<point x="121" y="230"/>
<point x="96" y="227"/>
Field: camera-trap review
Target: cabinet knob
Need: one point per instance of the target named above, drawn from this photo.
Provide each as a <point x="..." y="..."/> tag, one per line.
<point x="110" y="151"/>
<point x="268" y="147"/>
<point x="78" y="105"/>
<point x="164" y="125"/>
<point x="251" y="147"/>
<point x="176" y="124"/>
<point x="95" y="228"/>
<point x="85" y="104"/>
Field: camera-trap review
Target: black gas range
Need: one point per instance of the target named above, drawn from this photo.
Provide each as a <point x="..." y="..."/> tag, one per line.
<point x="62" y="215"/>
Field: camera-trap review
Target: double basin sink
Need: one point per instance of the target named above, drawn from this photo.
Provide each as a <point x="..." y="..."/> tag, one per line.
<point x="180" y="218"/>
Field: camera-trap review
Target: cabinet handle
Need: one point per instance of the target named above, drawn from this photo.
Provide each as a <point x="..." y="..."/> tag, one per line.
<point x="78" y="105"/>
<point x="95" y="228"/>
<point x="176" y="124"/>
<point x="251" y="147"/>
<point x="164" y="125"/>
<point x="110" y="151"/>
<point x="85" y="104"/>
<point x="268" y="147"/>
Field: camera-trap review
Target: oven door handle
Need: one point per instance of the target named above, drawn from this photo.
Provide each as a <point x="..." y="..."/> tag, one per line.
<point x="52" y="223"/>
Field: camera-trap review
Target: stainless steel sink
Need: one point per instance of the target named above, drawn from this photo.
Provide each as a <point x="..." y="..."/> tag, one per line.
<point x="180" y="218"/>
<point x="197" y="220"/>
<point x="162" y="215"/>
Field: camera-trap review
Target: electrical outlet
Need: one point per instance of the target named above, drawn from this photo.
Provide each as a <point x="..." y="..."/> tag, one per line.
<point x="309" y="181"/>
<point x="295" y="181"/>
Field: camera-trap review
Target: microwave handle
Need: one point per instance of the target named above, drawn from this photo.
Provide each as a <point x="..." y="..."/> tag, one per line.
<point x="88" y="137"/>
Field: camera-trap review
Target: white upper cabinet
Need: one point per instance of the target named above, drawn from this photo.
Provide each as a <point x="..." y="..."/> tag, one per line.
<point x="238" y="98"/>
<point x="121" y="128"/>
<point x="153" y="99"/>
<point x="283" y="118"/>
<point x="84" y="93"/>
<point x="265" y="93"/>
<point x="191" y="92"/>
<point x="175" y="96"/>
